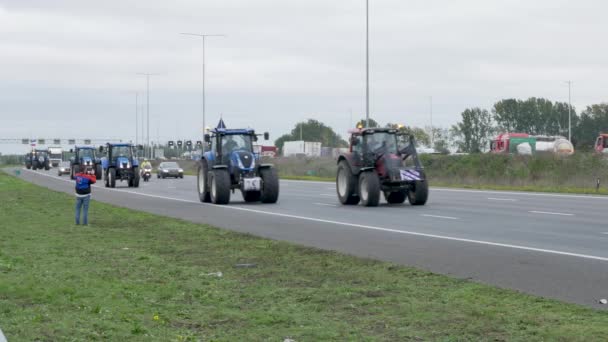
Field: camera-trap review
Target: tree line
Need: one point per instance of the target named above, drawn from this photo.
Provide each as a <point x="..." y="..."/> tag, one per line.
<point x="536" y="116"/>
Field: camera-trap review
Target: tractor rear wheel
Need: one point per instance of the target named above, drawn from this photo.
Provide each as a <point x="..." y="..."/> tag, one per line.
<point x="396" y="197"/>
<point x="47" y="166"/>
<point x="419" y="193"/>
<point x="220" y="186"/>
<point x="112" y="178"/>
<point x="270" y="185"/>
<point x="346" y="185"/>
<point x="369" y="188"/>
<point x="202" y="183"/>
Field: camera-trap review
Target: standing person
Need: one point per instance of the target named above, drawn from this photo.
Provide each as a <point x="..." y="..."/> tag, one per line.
<point x="84" y="180"/>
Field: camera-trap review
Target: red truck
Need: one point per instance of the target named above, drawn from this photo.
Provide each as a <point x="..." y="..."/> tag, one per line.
<point x="507" y="142"/>
<point x="601" y="144"/>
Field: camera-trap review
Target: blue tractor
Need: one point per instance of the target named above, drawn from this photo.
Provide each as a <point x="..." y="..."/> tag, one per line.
<point x="85" y="156"/>
<point x="120" y="163"/>
<point x="231" y="164"/>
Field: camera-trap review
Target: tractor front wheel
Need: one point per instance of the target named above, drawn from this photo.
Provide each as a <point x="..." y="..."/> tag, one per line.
<point x="419" y="193"/>
<point x="369" y="188"/>
<point x="112" y="178"/>
<point x="220" y="186"/>
<point x="346" y="185"/>
<point x="270" y="185"/>
<point x="98" y="173"/>
<point x="136" y="177"/>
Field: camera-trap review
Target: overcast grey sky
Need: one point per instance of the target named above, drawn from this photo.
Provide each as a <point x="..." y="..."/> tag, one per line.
<point x="68" y="67"/>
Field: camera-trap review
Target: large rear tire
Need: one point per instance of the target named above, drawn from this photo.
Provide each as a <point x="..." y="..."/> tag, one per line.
<point x="270" y="185"/>
<point x="369" y="188"/>
<point x="202" y="183"/>
<point x="112" y="178"/>
<point x="47" y="166"/>
<point x="397" y="197"/>
<point x="346" y="185"/>
<point x="419" y="193"/>
<point x="220" y="186"/>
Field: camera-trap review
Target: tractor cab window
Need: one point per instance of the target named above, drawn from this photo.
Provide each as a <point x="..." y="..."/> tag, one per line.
<point x="232" y="143"/>
<point x="381" y="142"/>
<point x="121" y="151"/>
<point x="356" y="142"/>
<point x="86" y="153"/>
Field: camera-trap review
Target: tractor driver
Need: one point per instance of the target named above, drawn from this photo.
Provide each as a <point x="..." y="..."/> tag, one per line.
<point x="229" y="144"/>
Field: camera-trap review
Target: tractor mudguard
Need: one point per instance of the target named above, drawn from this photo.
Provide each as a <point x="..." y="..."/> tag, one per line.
<point x="216" y="167"/>
<point x="266" y="166"/>
<point x="367" y="168"/>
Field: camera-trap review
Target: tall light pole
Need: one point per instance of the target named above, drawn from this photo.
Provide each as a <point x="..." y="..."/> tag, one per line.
<point x="136" y="118"/>
<point x="367" y="63"/>
<point x="569" y="110"/>
<point x="204" y="37"/>
<point x="147" y="140"/>
<point x="432" y="130"/>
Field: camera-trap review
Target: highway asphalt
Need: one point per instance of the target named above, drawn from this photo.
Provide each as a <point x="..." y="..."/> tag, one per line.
<point x="550" y="245"/>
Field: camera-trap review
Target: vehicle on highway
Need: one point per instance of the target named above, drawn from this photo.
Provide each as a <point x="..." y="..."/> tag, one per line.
<point x="601" y="143"/>
<point x="64" y="168"/>
<point x="169" y="169"/>
<point x="55" y="155"/>
<point x="230" y="164"/>
<point x="381" y="160"/>
<point x="85" y="156"/>
<point x="120" y="163"/>
<point x="40" y="159"/>
<point x="28" y="160"/>
<point x="146" y="173"/>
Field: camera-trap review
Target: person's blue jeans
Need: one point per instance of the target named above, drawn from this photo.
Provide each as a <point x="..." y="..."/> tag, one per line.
<point x="82" y="202"/>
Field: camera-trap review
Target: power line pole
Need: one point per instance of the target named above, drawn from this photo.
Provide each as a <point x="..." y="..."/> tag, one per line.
<point x="136" y="118"/>
<point x="204" y="37"/>
<point x="432" y="130"/>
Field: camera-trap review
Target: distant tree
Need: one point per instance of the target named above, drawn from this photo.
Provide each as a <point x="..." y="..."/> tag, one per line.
<point x="421" y="136"/>
<point x="593" y="120"/>
<point x="472" y="134"/>
<point x="372" y="123"/>
<point x="440" y="140"/>
<point x="312" y="130"/>
<point x="533" y="116"/>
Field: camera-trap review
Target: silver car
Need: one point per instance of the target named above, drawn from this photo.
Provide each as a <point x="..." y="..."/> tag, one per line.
<point x="169" y="169"/>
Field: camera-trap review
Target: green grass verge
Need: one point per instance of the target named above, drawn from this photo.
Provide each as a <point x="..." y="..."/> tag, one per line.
<point x="136" y="276"/>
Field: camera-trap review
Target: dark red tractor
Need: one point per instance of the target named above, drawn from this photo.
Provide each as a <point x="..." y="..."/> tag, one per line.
<point x="381" y="160"/>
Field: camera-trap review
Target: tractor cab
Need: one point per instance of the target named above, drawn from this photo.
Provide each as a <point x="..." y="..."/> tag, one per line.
<point x="381" y="160"/>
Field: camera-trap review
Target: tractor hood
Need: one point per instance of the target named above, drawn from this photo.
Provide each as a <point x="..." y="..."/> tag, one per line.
<point x="123" y="163"/>
<point x="87" y="161"/>
<point x="244" y="160"/>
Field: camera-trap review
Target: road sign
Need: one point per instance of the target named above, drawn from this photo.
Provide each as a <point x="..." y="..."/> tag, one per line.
<point x="25" y="141"/>
<point x="57" y="141"/>
<point x="41" y="141"/>
<point x="72" y="141"/>
<point x="87" y="141"/>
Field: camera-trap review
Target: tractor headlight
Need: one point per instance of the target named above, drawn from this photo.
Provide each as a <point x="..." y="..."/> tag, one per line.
<point x="180" y="170"/>
<point x="165" y="170"/>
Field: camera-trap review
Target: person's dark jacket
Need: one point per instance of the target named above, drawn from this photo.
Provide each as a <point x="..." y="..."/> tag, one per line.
<point x="83" y="183"/>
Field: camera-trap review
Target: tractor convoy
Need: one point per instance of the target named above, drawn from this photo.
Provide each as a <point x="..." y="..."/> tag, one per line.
<point x="379" y="161"/>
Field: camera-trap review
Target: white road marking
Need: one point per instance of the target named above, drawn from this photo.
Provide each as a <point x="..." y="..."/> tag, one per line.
<point x="361" y="226"/>
<point x="325" y="204"/>
<point x="502" y="199"/>
<point x="549" y="213"/>
<point x="606" y="233"/>
<point x="441" y="217"/>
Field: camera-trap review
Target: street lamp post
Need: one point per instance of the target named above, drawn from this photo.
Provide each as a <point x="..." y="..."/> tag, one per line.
<point x="204" y="37"/>
<point x="569" y="110"/>
<point x="147" y="140"/>
<point x="367" y="63"/>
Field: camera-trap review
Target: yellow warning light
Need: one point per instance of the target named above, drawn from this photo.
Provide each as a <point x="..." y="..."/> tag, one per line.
<point x="400" y="126"/>
<point x="359" y="125"/>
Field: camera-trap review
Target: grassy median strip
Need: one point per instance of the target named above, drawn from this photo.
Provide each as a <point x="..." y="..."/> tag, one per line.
<point x="137" y="276"/>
